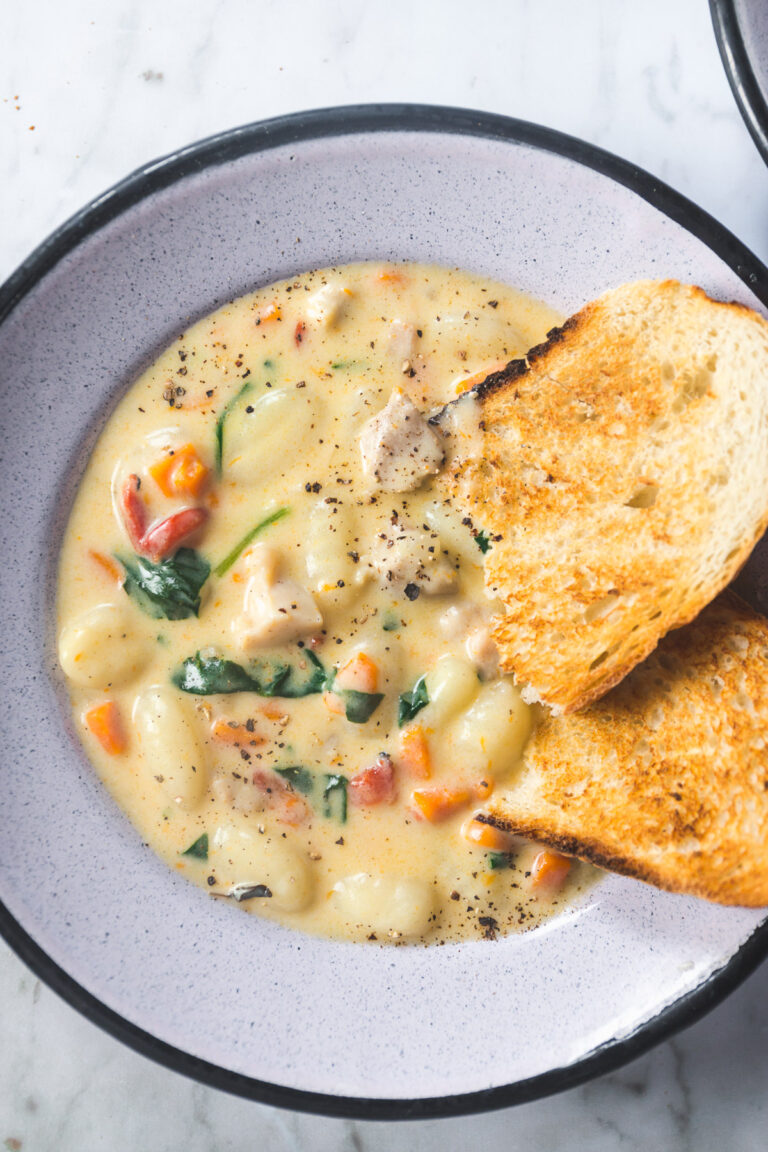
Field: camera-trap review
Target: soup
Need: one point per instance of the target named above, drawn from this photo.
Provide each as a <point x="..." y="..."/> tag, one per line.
<point x="274" y="627"/>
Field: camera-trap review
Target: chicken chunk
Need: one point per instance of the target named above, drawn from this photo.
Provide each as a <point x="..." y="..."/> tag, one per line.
<point x="404" y="555"/>
<point x="275" y="609"/>
<point x="399" y="449"/>
<point x="326" y="305"/>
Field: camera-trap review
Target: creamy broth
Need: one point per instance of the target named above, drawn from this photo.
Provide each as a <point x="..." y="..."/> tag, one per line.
<point x="313" y="738"/>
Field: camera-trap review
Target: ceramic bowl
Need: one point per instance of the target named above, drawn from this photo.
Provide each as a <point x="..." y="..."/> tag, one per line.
<point x="241" y="1003"/>
<point x="741" y="28"/>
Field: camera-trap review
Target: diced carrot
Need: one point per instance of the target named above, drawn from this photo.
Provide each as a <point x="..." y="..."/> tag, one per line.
<point x="361" y="674"/>
<point x="105" y="723"/>
<point x="134" y="511"/>
<point x="180" y="472"/>
<point x="165" y="537"/>
<point x="334" y="703"/>
<point x="477" y="831"/>
<point x="274" y="712"/>
<point x="414" y="752"/>
<point x="107" y="565"/>
<point x="435" y="804"/>
<point x="230" y="732"/>
<point x="468" y="382"/>
<point x="269" y="312"/>
<point x="549" y="870"/>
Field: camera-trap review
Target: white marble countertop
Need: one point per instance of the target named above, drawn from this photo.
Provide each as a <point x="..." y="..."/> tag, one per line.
<point x="91" y="91"/>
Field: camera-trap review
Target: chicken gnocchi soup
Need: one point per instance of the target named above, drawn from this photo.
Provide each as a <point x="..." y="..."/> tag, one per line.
<point x="274" y="629"/>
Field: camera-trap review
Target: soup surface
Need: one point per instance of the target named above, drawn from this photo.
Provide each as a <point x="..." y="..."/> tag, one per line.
<point x="274" y="628"/>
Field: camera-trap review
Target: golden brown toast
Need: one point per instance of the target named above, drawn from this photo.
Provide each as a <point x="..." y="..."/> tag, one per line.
<point x="666" y="778"/>
<point x="621" y="474"/>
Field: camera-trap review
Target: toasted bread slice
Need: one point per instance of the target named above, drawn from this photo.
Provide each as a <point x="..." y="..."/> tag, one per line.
<point x="621" y="473"/>
<point x="665" y="778"/>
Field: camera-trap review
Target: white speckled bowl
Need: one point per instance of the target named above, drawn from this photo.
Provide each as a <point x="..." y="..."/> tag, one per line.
<point x="238" y="1002"/>
<point x="741" y="28"/>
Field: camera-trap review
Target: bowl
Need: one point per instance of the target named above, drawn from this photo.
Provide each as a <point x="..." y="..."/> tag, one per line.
<point x="244" y="1004"/>
<point x="741" y="29"/>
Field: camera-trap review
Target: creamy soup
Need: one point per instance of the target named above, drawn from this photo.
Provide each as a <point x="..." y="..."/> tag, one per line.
<point x="274" y="628"/>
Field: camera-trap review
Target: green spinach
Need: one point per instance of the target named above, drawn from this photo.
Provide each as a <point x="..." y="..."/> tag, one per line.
<point x="169" y="589"/>
<point x="249" y="537"/>
<point x="199" y="849"/>
<point x="411" y="703"/>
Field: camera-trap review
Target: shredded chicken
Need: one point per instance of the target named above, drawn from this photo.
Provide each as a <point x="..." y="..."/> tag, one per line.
<point x="399" y="449"/>
<point x="275" y="609"/>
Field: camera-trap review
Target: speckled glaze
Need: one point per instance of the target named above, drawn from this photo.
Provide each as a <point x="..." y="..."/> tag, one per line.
<point x="342" y="1028"/>
<point x="741" y="27"/>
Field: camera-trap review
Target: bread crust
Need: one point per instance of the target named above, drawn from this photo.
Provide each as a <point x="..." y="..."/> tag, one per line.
<point x="622" y="476"/>
<point x="665" y="779"/>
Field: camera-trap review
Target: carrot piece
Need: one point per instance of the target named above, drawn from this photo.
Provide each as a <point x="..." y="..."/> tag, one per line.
<point x="165" y="537"/>
<point x="105" y="723"/>
<point x="550" y="870"/>
<point x="298" y="333"/>
<point x="180" y="472"/>
<point x="476" y="831"/>
<point x="414" y="752"/>
<point x="269" y="312"/>
<point x="334" y="703"/>
<point x="468" y="382"/>
<point x="361" y="674"/>
<point x="107" y="564"/>
<point x="228" y="732"/>
<point x="435" y="804"/>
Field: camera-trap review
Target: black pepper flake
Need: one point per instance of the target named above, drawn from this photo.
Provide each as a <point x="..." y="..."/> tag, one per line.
<point x="301" y="384"/>
<point x="455" y="895"/>
<point x="340" y="840"/>
<point x="412" y="591"/>
<point x="181" y="371"/>
<point x="249" y="409"/>
<point x="211" y="881"/>
<point x="493" y="303"/>
<point x="490" y="927"/>
<point x="209" y="393"/>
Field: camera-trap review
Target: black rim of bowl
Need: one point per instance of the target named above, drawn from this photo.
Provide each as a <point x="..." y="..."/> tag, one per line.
<point x="741" y="75"/>
<point x="220" y="149"/>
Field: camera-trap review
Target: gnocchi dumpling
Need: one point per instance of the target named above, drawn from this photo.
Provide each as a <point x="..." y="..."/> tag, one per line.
<point x="172" y="750"/>
<point x="330" y="548"/>
<point x="497" y="725"/>
<point x="241" y="857"/>
<point x="452" y="685"/>
<point x="272" y="430"/>
<point x="101" y="649"/>
<point x="390" y="905"/>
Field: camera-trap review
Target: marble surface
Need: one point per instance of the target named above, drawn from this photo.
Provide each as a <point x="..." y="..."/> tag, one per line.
<point x="91" y="91"/>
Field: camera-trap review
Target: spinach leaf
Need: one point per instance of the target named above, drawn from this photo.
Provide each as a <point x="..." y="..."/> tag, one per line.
<point x="301" y="779"/>
<point x="390" y="622"/>
<point x="359" y="706"/>
<point x="274" y="678"/>
<point x="498" y="860"/>
<point x="199" y="849"/>
<point x="335" y="797"/>
<point x="170" y="589"/>
<point x="483" y="541"/>
<point x="411" y="703"/>
<point x="219" y="434"/>
<point x="211" y="675"/>
<point x="249" y="537"/>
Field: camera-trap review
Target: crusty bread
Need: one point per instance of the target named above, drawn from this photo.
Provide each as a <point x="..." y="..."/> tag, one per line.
<point x="621" y="472"/>
<point x="665" y="778"/>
